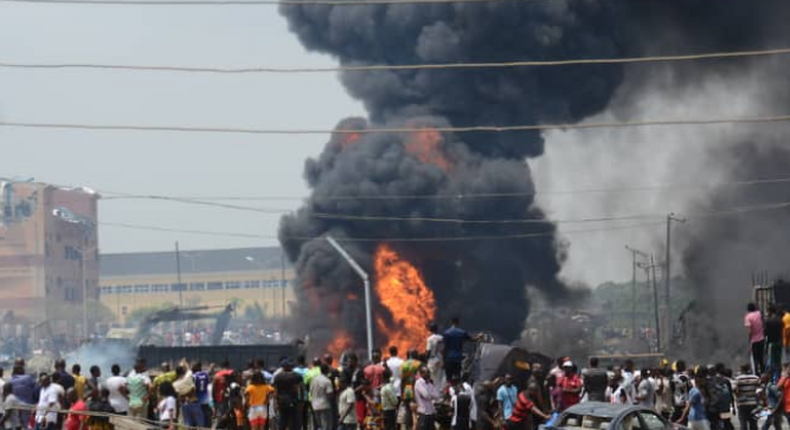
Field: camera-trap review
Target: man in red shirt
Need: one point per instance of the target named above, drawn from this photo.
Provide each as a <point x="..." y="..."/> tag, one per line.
<point x="571" y="385"/>
<point x="374" y="372"/>
<point x="521" y="417"/>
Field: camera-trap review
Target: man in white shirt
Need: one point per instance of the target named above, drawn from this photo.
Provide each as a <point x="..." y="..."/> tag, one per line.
<point x="395" y="363"/>
<point x="119" y="394"/>
<point x="434" y="346"/>
<point x="425" y="393"/>
<point x="48" y="404"/>
<point x="321" y="391"/>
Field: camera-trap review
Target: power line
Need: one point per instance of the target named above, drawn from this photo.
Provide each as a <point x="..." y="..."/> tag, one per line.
<point x="401" y="67"/>
<point x="380" y="239"/>
<point x="466" y="129"/>
<point x="659" y="222"/>
<point x="459" y="196"/>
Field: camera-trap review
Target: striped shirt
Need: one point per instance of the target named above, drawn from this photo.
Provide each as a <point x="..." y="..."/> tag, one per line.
<point x="746" y="390"/>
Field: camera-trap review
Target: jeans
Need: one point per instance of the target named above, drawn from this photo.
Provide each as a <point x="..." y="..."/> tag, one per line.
<point x="323" y="419"/>
<point x="699" y="425"/>
<point x="746" y="417"/>
<point x="390" y="418"/>
<point x="193" y="415"/>
<point x="289" y="417"/>
<point x="426" y="422"/>
<point x="775" y="359"/>
<point x="773" y="420"/>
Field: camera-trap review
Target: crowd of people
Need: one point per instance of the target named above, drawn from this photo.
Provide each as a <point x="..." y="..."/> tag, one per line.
<point x="423" y="390"/>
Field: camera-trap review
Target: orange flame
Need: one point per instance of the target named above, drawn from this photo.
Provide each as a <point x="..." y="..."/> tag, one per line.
<point x="426" y="146"/>
<point x="404" y="294"/>
<point x="349" y="139"/>
<point x="339" y="344"/>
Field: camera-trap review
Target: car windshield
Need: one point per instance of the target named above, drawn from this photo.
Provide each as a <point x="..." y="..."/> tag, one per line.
<point x="590" y="422"/>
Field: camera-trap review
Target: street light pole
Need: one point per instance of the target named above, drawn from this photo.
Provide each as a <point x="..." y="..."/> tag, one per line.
<point x="362" y="274"/>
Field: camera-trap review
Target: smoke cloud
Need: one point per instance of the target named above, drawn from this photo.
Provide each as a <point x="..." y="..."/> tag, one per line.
<point x="485" y="281"/>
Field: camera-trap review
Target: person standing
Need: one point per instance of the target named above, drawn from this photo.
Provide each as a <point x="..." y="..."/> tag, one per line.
<point x="645" y="392"/>
<point x="66" y="380"/>
<point x="256" y="400"/>
<point x="681" y="385"/>
<point x="753" y="321"/>
<point x="11" y="416"/>
<point x="433" y="354"/>
<point x="786" y="330"/>
<point x="167" y="407"/>
<point x="772" y="400"/>
<point x="374" y="371"/>
<point x="24" y="389"/>
<point x="485" y="399"/>
<point x="570" y="385"/>
<point x="462" y="402"/>
<point x="289" y="388"/>
<point x="119" y="393"/>
<point x="746" y="385"/>
<point x="394" y="362"/>
<point x="695" y="408"/>
<point x="138" y="385"/>
<point x="425" y="394"/>
<point x="389" y="401"/>
<point x="409" y="372"/>
<point x="79" y="381"/>
<point x="321" y="398"/>
<point x="202" y="381"/>
<point x="48" y="404"/>
<point x="595" y="380"/>
<point x="346" y="405"/>
<point x="76" y="419"/>
<point x="454" y="339"/>
<point x="506" y="397"/>
<point x="774" y="331"/>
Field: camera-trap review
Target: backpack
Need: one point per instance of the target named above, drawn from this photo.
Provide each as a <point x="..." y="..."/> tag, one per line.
<point x="720" y="395"/>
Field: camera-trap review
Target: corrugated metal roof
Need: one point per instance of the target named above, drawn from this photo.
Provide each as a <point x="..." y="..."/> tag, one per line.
<point x="203" y="261"/>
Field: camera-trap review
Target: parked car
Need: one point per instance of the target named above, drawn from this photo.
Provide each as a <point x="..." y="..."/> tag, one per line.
<point x="607" y="416"/>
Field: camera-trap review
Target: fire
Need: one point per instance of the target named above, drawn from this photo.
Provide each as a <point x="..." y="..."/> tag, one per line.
<point x="426" y="146"/>
<point x="404" y="294"/>
<point x="349" y="139"/>
<point x="339" y="344"/>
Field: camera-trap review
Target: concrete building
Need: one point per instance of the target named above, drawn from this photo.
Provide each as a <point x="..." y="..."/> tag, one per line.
<point x="48" y="255"/>
<point x="243" y="276"/>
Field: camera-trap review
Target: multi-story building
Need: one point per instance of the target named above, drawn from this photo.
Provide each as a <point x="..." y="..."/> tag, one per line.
<point x="242" y="276"/>
<point x="48" y="255"/>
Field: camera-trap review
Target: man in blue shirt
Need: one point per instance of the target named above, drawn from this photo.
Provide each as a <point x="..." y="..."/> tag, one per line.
<point x="506" y="396"/>
<point x="454" y="338"/>
<point x="202" y="381"/>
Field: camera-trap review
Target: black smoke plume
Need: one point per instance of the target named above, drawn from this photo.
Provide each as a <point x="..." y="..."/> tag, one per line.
<point x="483" y="281"/>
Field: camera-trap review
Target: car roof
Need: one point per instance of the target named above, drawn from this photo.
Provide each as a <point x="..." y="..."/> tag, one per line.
<point x="600" y="409"/>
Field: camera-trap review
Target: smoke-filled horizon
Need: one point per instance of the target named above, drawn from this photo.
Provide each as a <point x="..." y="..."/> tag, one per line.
<point x="484" y="282"/>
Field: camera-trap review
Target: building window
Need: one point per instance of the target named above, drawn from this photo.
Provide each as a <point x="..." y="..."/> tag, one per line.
<point x="142" y="288"/>
<point x="213" y="286"/>
<point x="70" y="294"/>
<point x="160" y="288"/>
<point x="232" y="285"/>
<point x="197" y="286"/>
<point x="252" y="284"/>
<point x="71" y="253"/>
<point x="123" y="289"/>
<point x="178" y="287"/>
<point x="105" y="290"/>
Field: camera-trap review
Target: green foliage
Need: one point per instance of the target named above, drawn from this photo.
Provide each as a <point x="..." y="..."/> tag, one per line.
<point x="140" y="313"/>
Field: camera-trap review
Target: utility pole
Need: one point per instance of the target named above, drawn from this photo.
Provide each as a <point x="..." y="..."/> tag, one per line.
<point x="180" y="290"/>
<point x="651" y="279"/>
<point x="634" y="254"/>
<point x="362" y="274"/>
<point x="668" y="278"/>
<point x="282" y="277"/>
